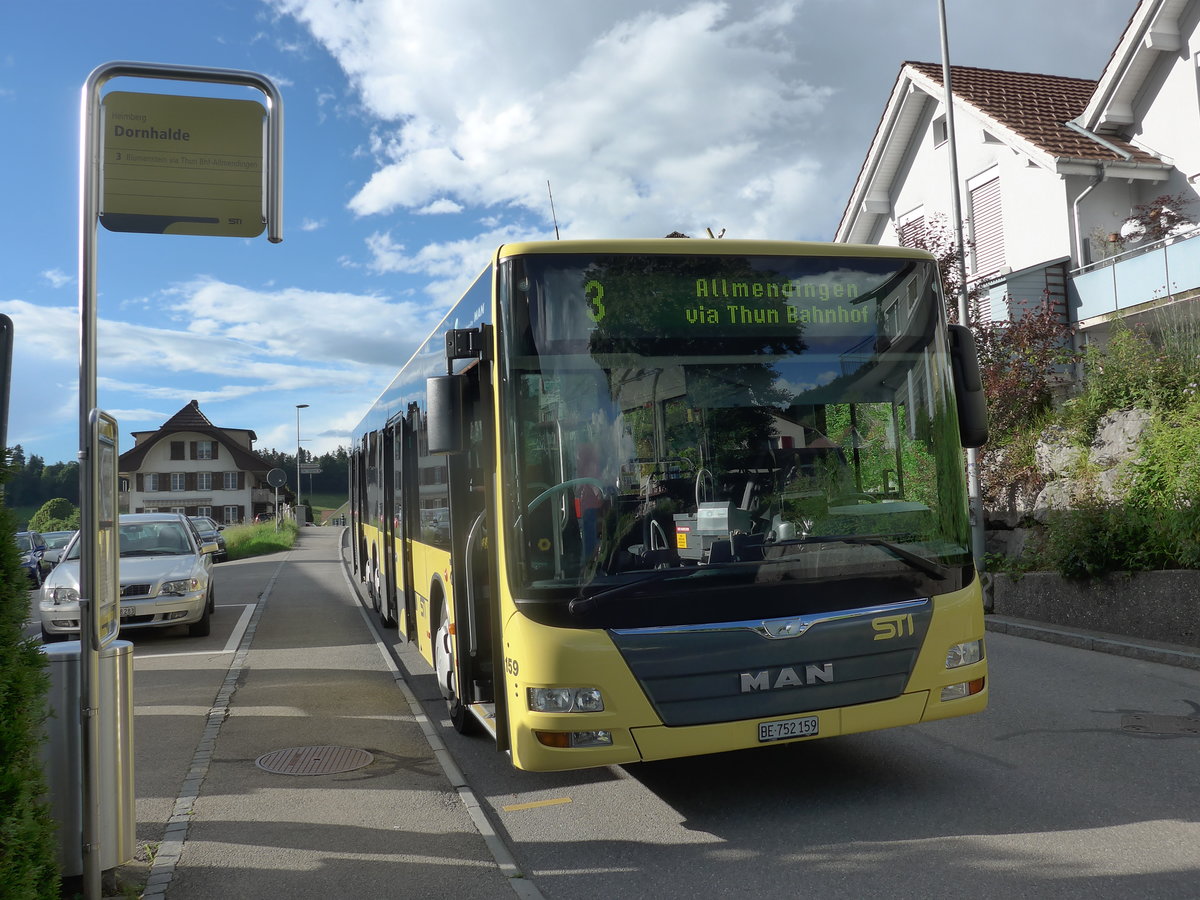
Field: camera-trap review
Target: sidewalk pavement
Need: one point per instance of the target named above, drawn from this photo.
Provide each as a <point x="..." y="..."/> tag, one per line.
<point x="308" y="674"/>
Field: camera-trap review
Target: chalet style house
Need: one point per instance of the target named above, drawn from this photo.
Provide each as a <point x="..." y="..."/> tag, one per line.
<point x="1074" y="192"/>
<point x="191" y="466"/>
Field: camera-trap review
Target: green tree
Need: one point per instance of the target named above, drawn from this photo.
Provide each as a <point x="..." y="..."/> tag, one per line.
<point x="28" y="854"/>
<point x="58" y="514"/>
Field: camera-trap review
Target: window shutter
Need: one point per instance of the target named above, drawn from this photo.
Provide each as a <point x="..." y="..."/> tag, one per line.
<point x="177" y="450"/>
<point x="912" y="232"/>
<point x="215" y="445"/>
<point x="241" y="481"/>
<point x="987" y="227"/>
<point x="194" y="453"/>
<point x="189" y="482"/>
<point x="141" y="481"/>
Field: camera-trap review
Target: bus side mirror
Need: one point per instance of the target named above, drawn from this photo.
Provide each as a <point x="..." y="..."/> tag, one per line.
<point x="968" y="388"/>
<point x="444" y="422"/>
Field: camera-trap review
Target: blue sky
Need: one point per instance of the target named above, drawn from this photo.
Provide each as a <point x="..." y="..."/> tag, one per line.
<point x="419" y="136"/>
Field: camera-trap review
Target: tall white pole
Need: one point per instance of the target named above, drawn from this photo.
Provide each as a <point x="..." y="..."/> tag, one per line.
<point x="299" y="406"/>
<point x="978" y="544"/>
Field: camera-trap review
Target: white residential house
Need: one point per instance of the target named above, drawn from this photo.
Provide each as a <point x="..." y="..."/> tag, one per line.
<point x="1050" y="168"/>
<point x="191" y="466"/>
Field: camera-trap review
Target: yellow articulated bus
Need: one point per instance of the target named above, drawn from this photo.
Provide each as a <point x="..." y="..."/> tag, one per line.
<point x="636" y="500"/>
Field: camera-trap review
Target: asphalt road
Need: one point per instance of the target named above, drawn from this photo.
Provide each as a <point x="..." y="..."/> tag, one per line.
<point x="1081" y="780"/>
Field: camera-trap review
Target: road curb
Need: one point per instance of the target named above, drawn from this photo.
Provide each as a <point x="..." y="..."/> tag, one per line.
<point x="1100" y="642"/>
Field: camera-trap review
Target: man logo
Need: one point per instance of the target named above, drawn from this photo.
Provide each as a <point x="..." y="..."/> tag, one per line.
<point x="890" y="627"/>
<point x="786" y="678"/>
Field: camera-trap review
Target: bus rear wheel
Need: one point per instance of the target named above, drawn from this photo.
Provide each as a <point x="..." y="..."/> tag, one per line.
<point x="443" y="665"/>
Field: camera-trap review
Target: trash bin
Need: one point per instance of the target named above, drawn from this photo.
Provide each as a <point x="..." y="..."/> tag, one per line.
<point x="62" y="754"/>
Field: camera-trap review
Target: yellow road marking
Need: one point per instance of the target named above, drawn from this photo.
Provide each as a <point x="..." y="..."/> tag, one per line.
<point x="555" y="802"/>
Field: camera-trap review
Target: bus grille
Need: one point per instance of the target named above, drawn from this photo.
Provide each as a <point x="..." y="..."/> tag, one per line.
<point x="724" y="672"/>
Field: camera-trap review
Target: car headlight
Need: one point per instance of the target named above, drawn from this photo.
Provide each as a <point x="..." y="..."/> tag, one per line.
<point x="63" y="595"/>
<point x="183" y="586"/>
<point x="561" y="700"/>
<point x="964" y="654"/>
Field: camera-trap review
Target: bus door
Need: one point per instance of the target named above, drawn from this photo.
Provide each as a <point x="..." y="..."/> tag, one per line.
<point x="358" y="540"/>
<point x="407" y="513"/>
<point x="387" y="564"/>
<point x="472" y="483"/>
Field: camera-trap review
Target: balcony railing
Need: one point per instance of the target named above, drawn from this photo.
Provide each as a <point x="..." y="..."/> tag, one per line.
<point x="1155" y="272"/>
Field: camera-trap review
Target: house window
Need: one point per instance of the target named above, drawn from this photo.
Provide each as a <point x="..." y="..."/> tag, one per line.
<point x="940" y="132"/>
<point x="176" y="449"/>
<point x="204" y="481"/>
<point x="204" y="511"/>
<point x="178" y="482"/>
<point x="987" y="227"/>
<point x="912" y="231"/>
<point x="231" y="514"/>
<point x="230" y="482"/>
<point x="151" y="481"/>
<point x="205" y="450"/>
<point x="179" y="509"/>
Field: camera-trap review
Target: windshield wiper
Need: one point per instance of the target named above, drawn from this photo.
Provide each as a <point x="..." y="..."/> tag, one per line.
<point x="930" y="568"/>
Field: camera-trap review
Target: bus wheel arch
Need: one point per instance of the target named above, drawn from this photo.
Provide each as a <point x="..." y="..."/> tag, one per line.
<point x="443" y="664"/>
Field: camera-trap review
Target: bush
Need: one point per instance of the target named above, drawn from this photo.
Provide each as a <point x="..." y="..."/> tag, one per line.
<point x="55" y="515"/>
<point x="242" y="541"/>
<point x="28" y="849"/>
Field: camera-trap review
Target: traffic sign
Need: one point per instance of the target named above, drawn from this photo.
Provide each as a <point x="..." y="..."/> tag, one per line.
<point x="310" y="469"/>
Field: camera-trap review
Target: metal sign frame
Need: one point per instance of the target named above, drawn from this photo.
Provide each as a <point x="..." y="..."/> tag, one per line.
<point x="99" y="564"/>
<point x="90" y="148"/>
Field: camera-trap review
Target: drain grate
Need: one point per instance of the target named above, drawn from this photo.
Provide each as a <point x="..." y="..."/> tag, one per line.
<point x="314" y="760"/>
<point x="1148" y="723"/>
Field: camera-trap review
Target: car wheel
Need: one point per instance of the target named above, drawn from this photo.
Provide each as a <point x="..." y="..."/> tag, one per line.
<point x="204" y="626"/>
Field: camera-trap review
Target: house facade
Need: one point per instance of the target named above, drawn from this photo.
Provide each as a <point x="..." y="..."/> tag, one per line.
<point x="1050" y="171"/>
<point x="191" y="466"/>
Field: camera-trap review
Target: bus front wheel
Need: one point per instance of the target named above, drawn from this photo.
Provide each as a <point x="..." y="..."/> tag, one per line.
<point x="443" y="664"/>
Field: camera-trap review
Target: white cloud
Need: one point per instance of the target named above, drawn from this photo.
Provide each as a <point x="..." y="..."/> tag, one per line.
<point x="642" y="121"/>
<point x="57" y="277"/>
<point x="307" y="224"/>
<point x="440" y="206"/>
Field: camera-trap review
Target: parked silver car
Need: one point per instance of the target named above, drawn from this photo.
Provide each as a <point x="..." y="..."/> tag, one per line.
<point x="56" y="543"/>
<point x="165" y="578"/>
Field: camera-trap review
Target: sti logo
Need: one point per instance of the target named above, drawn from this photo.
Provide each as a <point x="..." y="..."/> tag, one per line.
<point x="888" y="627"/>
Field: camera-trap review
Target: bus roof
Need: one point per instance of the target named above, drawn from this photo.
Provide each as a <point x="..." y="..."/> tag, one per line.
<point x="723" y="246"/>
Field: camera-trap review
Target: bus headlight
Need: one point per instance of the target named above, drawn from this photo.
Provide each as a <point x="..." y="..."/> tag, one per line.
<point x="563" y="700"/>
<point x="964" y="654"/>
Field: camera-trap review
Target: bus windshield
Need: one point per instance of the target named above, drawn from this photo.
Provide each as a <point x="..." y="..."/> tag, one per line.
<point x="707" y="437"/>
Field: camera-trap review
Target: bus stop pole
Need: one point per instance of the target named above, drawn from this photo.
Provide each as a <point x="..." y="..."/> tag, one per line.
<point x="89" y="701"/>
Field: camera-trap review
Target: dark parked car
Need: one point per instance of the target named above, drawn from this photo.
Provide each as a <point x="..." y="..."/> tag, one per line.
<point x="32" y="547"/>
<point x="210" y="533"/>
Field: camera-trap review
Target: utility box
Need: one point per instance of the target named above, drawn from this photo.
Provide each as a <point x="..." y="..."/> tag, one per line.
<point x="62" y="755"/>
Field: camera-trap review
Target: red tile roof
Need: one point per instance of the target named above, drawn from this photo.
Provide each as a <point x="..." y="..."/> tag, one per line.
<point x="1035" y="107"/>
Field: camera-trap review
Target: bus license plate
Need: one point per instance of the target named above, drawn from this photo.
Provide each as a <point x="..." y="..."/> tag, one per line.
<point x="807" y="726"/>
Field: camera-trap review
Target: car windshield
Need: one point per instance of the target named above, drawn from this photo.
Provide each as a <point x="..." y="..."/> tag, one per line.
<point x="148" y="539"/>
<point x="24" y="542"/>
<point x="685" y="430"/>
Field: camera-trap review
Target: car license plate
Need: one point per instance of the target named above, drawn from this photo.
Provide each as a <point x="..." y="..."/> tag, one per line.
<point x="127" y="611"/>
<point x="806" y="726"/>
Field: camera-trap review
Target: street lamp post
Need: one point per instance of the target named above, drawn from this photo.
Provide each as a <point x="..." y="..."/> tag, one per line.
<point x="299" y="406"/>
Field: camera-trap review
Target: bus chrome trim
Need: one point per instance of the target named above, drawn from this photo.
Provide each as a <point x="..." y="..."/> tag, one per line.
<point x="776" y="629"/>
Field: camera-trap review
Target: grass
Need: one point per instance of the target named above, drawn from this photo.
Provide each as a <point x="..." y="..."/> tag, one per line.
<point x="243" y="541"/>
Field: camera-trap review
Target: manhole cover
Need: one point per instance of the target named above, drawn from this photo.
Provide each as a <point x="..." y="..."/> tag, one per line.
<point x="1147" y="723"/>
<point x="314" y="760"/>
